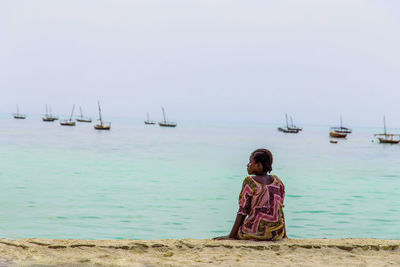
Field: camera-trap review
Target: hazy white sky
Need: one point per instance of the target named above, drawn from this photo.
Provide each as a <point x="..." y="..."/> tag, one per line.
<point x="204" y="60"/>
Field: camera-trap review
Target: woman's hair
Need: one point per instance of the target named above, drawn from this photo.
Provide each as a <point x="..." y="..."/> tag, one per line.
<point x="263" y="156"/>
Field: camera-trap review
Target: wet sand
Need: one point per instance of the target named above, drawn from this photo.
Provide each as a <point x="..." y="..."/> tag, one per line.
<point x="193" y="252"/>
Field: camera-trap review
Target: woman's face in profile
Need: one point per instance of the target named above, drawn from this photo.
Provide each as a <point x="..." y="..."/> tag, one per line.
<point x="254" y="167"/>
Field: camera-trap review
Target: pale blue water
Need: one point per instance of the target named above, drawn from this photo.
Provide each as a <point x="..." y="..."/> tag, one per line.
<point x="147" y="182"/>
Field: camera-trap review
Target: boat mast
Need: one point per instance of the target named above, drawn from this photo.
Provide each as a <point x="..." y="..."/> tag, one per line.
<point x="101" y="121"/>
<point x="17" y="110"/>
<point x="72" y="113"/>
<point x="163" y="112"/>
<point x="341" y="123"/>
<point x="287" y="124"/>
<point x="291" y="121"/>
<point x="147" y="116"/>
<point x="384" y="124"/>
<point x="80" y="108"/>
<point x="46" y="112"/>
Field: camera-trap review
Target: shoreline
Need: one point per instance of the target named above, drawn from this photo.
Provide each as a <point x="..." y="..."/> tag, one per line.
<point x="196" y="252"/>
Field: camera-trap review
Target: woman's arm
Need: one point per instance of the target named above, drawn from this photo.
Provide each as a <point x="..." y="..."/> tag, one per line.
<point x="238" y="222"/>
<point x="244" y="208"/>
<point x="284" y="226"/>
<point x="233" y="235"/>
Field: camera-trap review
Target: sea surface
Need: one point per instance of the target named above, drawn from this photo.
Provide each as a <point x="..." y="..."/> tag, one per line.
<point x="147" y="182"/>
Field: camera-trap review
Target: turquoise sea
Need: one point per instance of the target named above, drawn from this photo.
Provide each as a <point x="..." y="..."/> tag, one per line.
<point x="147" y="182"/>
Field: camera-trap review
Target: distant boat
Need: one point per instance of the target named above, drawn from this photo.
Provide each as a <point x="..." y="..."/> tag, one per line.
<point x="102" y="125"/>
<point x="289" y="129"/>
<point x="333" y="141"/>
<point x="82" y="118"/>
<point x="69" y="122"/>
<point x="19" y="115"/>
<point x="386" y="138"/>
<point x="166" y="123"/>
<point x="294" y="127"/>
<point x="48" y="116"/>
<point x="341" y="129"/>
<point x="337" y="135"/>
<point x="148" y="121"/>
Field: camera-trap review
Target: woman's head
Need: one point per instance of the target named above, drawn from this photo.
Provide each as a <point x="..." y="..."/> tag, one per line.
<point x="260" y="162"/>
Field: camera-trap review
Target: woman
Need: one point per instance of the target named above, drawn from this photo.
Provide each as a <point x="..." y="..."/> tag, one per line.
<point x="261" y="202"/>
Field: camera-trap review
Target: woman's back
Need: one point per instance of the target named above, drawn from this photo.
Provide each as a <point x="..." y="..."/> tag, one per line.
<point x="263" y="204"/>
<point x="260" y="215"/>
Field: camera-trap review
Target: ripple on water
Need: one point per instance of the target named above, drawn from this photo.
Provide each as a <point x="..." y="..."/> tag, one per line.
<point x="297" y="226"/>
<point x="312" y="225"/>
<point x="311" y="211"/>
<point x="300" y="219"/>
<point x="382" y="220"/>
<point x="327" y="228"/>
<point x="173" y="223"/>
<point x="294" y="196"/>
<point x="341" y="213"/>
<point x="342" y="222"/>
<point x="218" y="231"/>
<point x="391" y="175"/>
<point x="90" y="217"/>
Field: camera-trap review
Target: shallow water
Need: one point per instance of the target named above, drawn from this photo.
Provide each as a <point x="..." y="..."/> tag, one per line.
<point x="147" y="182"/>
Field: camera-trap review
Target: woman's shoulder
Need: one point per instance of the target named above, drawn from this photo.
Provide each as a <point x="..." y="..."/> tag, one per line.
<point x="279" y="181"/>
<point x="250" y="182"/>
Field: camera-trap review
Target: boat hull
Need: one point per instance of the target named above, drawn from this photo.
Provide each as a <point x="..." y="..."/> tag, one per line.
<point x="83" y="120"/>
<point x="20" y="117"/>
<point x="162" y="124"/>
<point x="388" y="141"/>
<point x="67" y="123"/>
<point x="296" y="129"/>
<point x="49" y="119"/>
<point x="149" y="122"/>
<point x="337" y="135"/>
<point x="342" y="130"/>
<point x="288" y="130"/>
<point x="102" y="127"/>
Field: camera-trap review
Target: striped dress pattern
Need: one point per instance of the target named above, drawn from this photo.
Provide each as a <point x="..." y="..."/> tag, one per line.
<point x="263" y="207"/>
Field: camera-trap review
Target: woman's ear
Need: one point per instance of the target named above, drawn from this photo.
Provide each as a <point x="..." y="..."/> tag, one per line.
<point x="259" y="167"/>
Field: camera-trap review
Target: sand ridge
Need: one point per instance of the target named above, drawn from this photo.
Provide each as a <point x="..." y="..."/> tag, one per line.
<point x="193" y="252"/>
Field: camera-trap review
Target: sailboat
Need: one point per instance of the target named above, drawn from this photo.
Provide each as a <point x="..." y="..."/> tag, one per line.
<point x="18" y="115"/>
<point x="288" y="129"/>
<point x="82" y="118"/>
<point x="49" y="117"/>
<point x="334" y="134"/>
<point x="166" y="123"/>
<point x="386" y="138"/>
<point x="69" y="122"/>
<point x="102" y="125"/>
<point x="148" y="121"/>
<point x="292" y="126"/>
<point x="341" y="129"/>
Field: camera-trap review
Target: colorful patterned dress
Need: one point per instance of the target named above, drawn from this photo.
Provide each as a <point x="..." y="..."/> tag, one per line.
<point x="263" y="205"/>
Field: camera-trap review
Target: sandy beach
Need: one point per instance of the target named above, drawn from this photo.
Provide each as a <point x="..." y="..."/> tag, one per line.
<point x="192" y="252"/>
